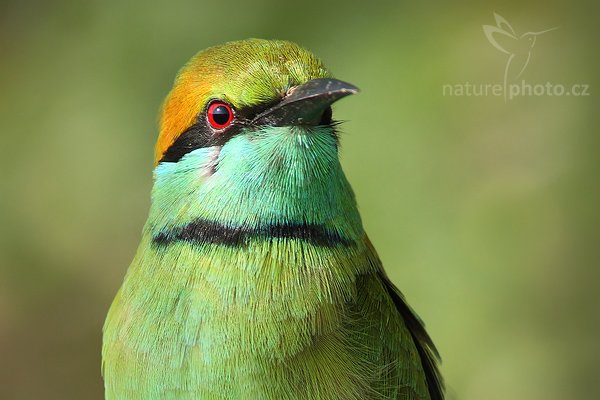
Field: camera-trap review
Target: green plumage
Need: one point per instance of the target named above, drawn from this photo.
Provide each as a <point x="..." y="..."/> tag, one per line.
<point x="262" y="315"/>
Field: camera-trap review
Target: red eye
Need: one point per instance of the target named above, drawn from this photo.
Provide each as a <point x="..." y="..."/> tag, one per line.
<point x="219" y="114"/>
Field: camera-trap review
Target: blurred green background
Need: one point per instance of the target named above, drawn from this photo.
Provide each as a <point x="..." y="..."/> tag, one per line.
<point x="485" y="213"/>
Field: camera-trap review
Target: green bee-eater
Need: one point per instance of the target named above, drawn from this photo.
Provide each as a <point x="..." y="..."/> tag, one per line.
<point x="254" y="278"/>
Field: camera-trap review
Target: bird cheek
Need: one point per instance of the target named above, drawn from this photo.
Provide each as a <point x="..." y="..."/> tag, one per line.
<point x="210" y="167"/>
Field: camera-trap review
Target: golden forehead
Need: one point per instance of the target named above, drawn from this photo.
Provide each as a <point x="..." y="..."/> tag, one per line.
<point x="245" y="73"/>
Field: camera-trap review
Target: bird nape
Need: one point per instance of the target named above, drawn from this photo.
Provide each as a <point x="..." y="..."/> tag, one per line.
<point x="254" y="278"/>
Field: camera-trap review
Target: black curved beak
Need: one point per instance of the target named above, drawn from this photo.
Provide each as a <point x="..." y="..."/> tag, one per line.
<point x="306" y="103"/>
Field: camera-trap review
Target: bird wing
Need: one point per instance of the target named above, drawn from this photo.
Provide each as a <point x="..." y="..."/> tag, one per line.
<point x="427" y="351"/>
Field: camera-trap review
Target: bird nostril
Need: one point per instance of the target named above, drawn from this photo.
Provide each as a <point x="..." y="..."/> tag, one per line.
<point x="289" y="91"/>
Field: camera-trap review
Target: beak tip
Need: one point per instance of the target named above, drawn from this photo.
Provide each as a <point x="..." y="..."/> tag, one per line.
<point x="350" y="89"/>
<point x="345" y="87"/>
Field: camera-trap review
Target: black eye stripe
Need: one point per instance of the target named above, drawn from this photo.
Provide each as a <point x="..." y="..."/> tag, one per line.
<point x="201" y="134"/>
<point x="327" y="116"/>
<point x="195" y="137"/>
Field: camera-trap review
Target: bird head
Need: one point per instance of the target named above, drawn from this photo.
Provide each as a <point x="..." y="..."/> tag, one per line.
<point x="242" y="86"/>
<point x="246" y="134"/>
